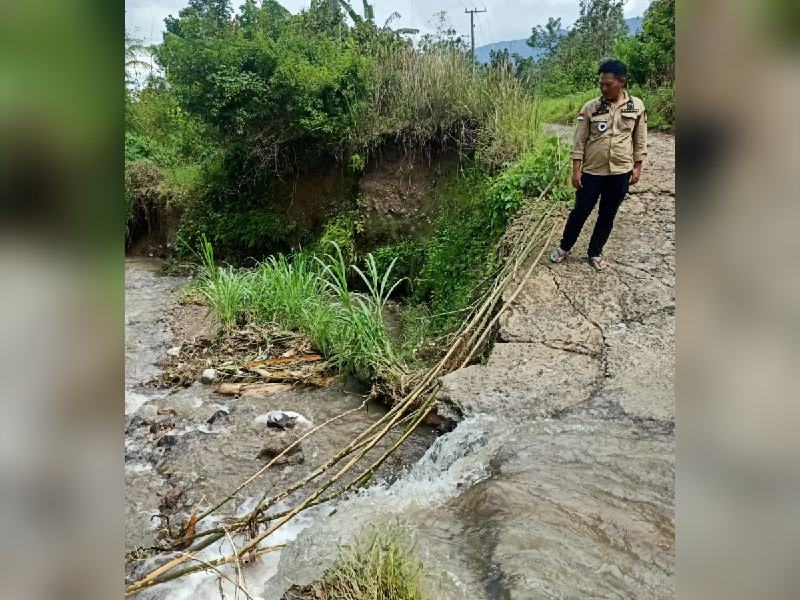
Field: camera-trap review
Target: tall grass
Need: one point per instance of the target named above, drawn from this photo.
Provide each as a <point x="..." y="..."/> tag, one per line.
<point x="226" y="291"/>
<point x="311" y="295"/>
<point x="437" y="95"/>
<point x="360" y="336"/>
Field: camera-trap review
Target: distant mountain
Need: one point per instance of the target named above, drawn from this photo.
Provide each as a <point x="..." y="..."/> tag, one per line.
<point x="521" y="48"/>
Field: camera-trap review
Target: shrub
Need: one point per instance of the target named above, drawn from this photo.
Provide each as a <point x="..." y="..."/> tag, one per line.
<point x="143" y="180"/>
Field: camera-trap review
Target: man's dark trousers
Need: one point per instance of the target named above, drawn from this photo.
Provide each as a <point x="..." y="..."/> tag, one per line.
<point x="611" y="190"/>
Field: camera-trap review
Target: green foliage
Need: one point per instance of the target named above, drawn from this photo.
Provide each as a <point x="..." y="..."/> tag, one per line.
<point x="475" y="210"/>
<point x="459" y="254"/>
<point x="564" y="109"/>
<point x="660" y="104"/>
<point x="650" y="55"/>
<point x="382" y="566"/>
<point x="357" y="162"/>
<point x="313" y="296"/>
<point x="340" y="231"/>
<point x="142" y="194"/>
<point x="408" y="257"/>
<point x="226" y="290"/>
<point x="360" y="339"/>
<point x="137" y="146"/>
<point x="416" y="332"/>
<point x="528" y="177"/>
<point x="570" y="61"/>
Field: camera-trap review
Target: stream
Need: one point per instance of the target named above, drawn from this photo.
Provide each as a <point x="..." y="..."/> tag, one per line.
<point x="580" y="506"/>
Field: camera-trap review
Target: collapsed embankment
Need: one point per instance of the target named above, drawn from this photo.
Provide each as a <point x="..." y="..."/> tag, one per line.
<point x="393" y="199"/>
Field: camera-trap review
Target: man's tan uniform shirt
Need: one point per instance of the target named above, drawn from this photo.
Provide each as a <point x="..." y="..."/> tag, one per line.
<point x="610" y="139"/>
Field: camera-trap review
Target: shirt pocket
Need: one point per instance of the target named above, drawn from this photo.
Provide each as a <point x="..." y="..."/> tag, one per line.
<point x="627" y="121"/>
<point x="599" y="125"/>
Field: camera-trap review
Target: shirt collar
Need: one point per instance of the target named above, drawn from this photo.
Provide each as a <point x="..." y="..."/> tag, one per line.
<point x="626" y="97"/>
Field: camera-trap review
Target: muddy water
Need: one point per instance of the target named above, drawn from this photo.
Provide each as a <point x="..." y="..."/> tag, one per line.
<point x="575" y="507"/>
<point x="579" y="507"/>
<point x="176" y="461"/>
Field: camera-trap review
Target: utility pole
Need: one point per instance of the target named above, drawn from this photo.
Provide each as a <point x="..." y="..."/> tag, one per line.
<point x="472" y="29"/>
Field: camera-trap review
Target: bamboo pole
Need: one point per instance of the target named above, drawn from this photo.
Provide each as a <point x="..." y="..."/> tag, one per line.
<point x="477" y="326"/>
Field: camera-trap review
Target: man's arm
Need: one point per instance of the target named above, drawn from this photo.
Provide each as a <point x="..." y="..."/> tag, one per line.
<point x="639" y="147"/>
<point x="578" y="144"/>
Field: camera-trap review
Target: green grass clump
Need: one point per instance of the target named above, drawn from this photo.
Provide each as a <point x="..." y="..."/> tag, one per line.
<point x="384" y="567"/>
<point x="312" y="295"/>
<point x="225" y="289"/>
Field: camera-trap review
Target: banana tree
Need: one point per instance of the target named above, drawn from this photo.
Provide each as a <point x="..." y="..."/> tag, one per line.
<point x="369" y="11"/>
<point x="369" y="16"/>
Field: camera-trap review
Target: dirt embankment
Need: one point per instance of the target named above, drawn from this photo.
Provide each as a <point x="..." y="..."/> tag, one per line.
<point x="576" y="336"/>
<point x="392" y="200"/>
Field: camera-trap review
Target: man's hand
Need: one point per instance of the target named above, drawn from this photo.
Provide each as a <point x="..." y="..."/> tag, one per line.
<point x="636" y="174"/>
<point x="576" y="174"/>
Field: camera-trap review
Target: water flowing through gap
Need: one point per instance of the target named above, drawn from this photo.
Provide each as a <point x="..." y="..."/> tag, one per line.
<point x="578" y="506"/>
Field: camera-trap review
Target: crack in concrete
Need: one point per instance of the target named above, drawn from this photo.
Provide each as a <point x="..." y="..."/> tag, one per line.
<point x="669" y="309"/>
<point x="603" y="358"/>
<point x="571" y="347"/>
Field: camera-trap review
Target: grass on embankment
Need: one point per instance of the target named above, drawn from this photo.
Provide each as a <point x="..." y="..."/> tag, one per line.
<point x="660" y="104"/>
<point x="311" y="295"/>
<point x="384" y="567"/>
<point x="445" y="272"/>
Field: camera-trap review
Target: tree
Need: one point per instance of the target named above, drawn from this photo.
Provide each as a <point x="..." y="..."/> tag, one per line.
<point x="500" y="60"/>
<point x="600" y="23"/>
<point x="134" y="52"/>
<point x="546" y="38"/>
<point x="650" y="55"/>
<point x="444" y="36"/>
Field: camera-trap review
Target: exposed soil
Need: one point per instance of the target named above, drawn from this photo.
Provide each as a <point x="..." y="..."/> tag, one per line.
<point x="395" y="195"/>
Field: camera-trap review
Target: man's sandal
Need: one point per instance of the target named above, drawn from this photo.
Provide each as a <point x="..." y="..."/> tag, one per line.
<point x="557" y="255"/>
<point x="598" y="262"/>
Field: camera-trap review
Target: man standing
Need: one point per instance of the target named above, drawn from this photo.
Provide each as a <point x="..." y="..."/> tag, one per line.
<point x="609" y="147"/>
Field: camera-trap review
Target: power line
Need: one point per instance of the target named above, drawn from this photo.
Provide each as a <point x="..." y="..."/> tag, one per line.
<point x="472" y="13"/>
<point x="489" y="23"/>
<point x="481" y="37"/>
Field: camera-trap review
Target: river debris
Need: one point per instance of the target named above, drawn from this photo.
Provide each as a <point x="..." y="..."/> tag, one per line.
<point x="252" y="390"/>
<point x="283" y="419"/>
<point x="250" y="355"/>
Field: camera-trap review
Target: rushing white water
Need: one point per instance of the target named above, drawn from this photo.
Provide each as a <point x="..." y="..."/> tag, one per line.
<point x="574" y="508"/>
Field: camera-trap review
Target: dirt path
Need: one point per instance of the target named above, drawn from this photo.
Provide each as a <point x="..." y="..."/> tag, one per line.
<point x="576" y="336"/>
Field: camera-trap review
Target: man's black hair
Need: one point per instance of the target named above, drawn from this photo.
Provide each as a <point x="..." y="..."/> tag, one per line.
<point x="615" y="67"/>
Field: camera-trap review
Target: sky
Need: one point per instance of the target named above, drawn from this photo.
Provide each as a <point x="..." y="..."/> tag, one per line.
<point x="504" y="19"/>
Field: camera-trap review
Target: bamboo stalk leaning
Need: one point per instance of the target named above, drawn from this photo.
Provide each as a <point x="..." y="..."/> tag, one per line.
<point x="414" y="405"/>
